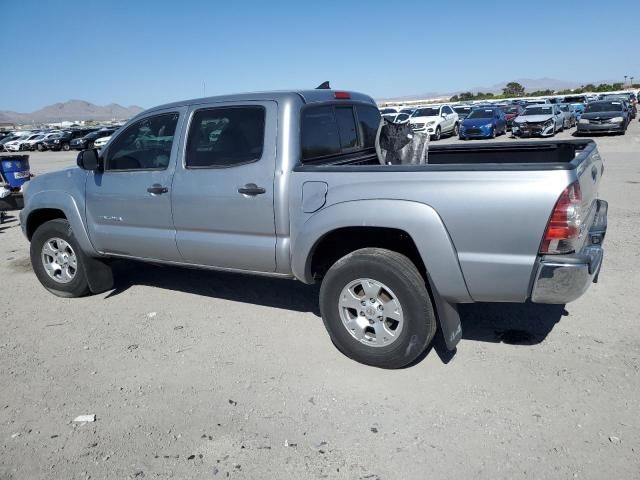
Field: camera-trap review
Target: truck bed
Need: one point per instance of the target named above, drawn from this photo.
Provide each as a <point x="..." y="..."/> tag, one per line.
<point x="515" y="155"/>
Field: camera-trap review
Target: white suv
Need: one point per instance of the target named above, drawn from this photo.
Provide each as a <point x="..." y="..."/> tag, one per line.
<point x="436" y="120"/>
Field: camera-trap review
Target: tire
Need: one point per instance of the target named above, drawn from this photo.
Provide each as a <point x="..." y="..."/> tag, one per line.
<point x="493" y="133"/>
<point x="55" y="234"/>
<point x="456" y="129"/>
<point x="66" y="147"/>
<point x="402" y="284"/>
<point x="40" y="148"/>
<point x="436" y="136"/>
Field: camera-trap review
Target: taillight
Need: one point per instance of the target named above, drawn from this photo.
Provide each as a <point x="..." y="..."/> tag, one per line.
<point x="563" y="229"/>
<point x="342" y="95"/>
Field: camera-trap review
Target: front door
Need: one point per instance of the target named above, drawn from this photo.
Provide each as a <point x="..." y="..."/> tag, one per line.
<point x="129" y="203"/>
<point x="223" y="187"/>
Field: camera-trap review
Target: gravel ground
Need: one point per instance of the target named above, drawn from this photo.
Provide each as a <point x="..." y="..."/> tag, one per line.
<point x="207" y="375"/>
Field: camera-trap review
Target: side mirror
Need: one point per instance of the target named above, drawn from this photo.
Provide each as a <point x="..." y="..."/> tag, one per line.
<point x="89" y="160"/>
<point x="444" y="115"/>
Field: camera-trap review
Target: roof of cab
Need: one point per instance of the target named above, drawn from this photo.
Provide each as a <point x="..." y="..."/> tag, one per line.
<point x="306" y="96"/>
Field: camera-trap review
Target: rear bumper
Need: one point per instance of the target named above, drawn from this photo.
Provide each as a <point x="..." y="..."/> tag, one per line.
<point x="562" y="279"/>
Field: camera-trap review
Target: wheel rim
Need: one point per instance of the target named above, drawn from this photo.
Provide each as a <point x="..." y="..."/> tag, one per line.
<point x="59" y="260"/>
<point x="438" y="133"/>
<point x="456" y="129"/>
<point x="371" y="312"/>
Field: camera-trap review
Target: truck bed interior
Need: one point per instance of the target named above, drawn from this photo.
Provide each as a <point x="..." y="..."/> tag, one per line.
<point x="560" y="154"/>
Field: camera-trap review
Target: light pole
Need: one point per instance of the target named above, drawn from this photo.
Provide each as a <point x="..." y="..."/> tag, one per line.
<point x="625" y="81"/>
<point x="631" y="81"/>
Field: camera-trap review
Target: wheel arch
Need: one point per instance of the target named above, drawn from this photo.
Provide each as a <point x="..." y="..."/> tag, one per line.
<point x="414" y="227"/>
<point x="48" y="205"/>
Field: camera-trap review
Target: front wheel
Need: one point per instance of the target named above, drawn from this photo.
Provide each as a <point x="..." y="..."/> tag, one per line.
<point x="493" y="132"/>
<point x="436" y="136"/>
<point x="376" y="308"/>
<point x="456" y="129"/>
<point x="66" y="147"/>
<point x="57" y="260"/>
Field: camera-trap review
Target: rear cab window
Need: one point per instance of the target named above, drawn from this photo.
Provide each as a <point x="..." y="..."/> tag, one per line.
<point x="329" y="131"/>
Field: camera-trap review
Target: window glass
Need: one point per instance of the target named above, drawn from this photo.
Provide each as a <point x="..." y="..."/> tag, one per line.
<point x="223" y="137"/>
<point x="144" y="145"/>
<point x="368" y="122"/>
<point x="319" y="133"/>
<point x="447" y="109"/>
<point x="346" y="127"/>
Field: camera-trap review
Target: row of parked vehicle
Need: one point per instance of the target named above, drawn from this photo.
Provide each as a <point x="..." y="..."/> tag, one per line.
<point x="606" y="113"/>
<point x="42" y="140"/>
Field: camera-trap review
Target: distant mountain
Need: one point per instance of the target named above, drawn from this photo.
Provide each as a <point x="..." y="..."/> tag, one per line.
<point x="530" y="85"/>
<point x="72" y="110"/>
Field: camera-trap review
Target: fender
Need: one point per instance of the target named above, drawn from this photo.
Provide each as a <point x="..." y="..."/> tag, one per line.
<point x="420" y="221"/>
<point x="60" y="200"/>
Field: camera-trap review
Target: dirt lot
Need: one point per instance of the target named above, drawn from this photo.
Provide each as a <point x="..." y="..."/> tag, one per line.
<point x="208" y="375"/>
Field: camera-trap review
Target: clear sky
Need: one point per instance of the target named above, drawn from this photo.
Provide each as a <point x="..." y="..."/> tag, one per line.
<point x="150" y="52"/>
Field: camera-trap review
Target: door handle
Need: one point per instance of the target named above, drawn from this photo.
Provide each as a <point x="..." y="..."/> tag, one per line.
<point x="157" y="189"/>
<point x="251" y="189"/>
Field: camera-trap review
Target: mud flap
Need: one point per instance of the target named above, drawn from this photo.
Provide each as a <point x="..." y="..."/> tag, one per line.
<point x="99" y="274"/>
<point x="449" y="322"/>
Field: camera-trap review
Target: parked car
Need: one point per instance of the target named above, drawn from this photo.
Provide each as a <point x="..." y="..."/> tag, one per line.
<point x="483" y="122"/>
<point x="38" y="142"/>
<point x="101" y="142"/>
<point x="511" y="112"/>
<point x="462" y="110"/>
<point x="87" y="141"/>
<point x="6" y="139"/>
<point x="578" y="109"/>
<point x="604" y="116"/>
<point x="302" y="195"/>
<point x="63" y="142"/>
<point x="543" y="120"/>
<point x="436" y="120"/>
<point x="20" y="143"/>
<point x="408" y="110"/>
<point x="569" y="114"/>
<point x="388" y="110"/>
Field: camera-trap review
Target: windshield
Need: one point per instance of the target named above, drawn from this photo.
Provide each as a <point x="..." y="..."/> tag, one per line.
<point x="407" y="110"/>
<point x="509" y="109"/>
<point x="538" y="111"/>
<point x="38" y="137"/>
<point x="604" y="107"/>
<point x="427" y="112"/>
<point x="463" y="110"/>
<point x="386" y="111"/>
<point x="564" y="108"/>
<point x="402" y="117"/>
<point x="481" y="113"/>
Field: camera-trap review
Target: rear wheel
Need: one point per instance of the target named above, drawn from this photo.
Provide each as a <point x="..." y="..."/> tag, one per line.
<point x="376" y="308"/>
<point x="57" y="260"/>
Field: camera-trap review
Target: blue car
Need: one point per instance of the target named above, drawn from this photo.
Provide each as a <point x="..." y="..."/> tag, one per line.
<point x="483" y="122"/>
<point x="579" y="107"/>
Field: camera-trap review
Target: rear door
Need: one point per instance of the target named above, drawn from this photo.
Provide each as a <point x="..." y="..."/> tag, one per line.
<point x="129" y="203"/>
<point x="222" y="192"/>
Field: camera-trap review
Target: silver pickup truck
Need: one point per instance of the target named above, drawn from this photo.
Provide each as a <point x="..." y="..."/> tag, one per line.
<point x="288" y="184"/>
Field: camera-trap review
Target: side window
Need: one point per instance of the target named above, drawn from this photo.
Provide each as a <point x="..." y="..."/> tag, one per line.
<point x="224" y="137"/>
<point x="368" y="123"/>
<point x="144" y="145"/>
<point x="447" y="110"/>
